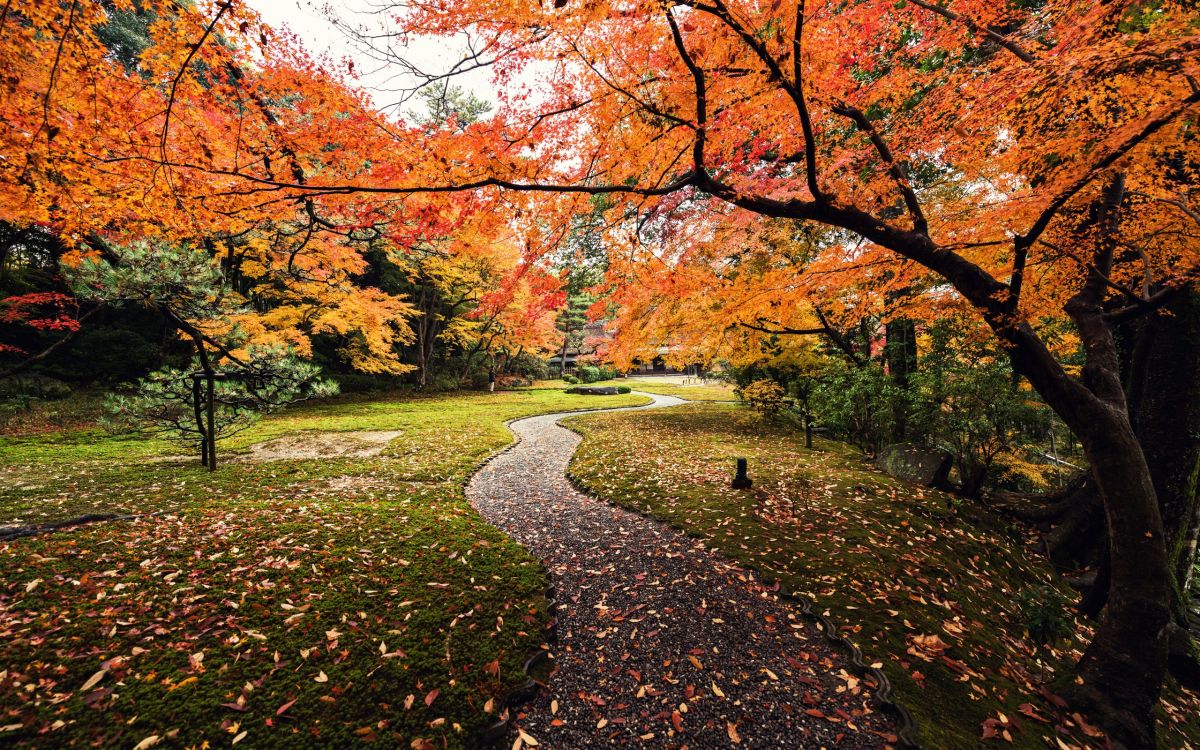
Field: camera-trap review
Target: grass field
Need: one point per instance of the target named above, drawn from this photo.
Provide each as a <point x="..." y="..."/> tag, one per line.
<point x="712" y="391"/>
<point x="298" y="602"/>
<point x="939" y="592"/>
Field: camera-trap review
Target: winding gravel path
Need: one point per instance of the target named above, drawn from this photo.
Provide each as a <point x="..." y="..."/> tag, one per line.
<point x="661" y="642"/>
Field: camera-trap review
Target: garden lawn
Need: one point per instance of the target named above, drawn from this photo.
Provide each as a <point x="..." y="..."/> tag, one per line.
<point x="927" y="586"/>
<point x="713" y="391"/>
<point x="294" y="603"/>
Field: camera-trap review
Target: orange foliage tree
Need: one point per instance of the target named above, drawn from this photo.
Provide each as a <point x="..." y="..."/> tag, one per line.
<point x="110" y="141"/>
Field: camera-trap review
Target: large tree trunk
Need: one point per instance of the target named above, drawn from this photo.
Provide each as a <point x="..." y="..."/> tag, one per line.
<point x="1166" y="407"/>
<point x="1168" y="425"/>
<point x="1123" y="668"/>
<point x="1160" y="360"/>
<point x="900" y="354"/>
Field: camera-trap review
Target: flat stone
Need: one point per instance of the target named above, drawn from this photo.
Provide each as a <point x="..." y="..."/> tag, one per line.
<point x="595" y="390"/>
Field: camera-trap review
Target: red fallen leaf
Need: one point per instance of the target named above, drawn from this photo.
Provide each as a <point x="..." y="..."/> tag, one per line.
<point x="433" y="694"/>
<point x="1031" y="712"/>
<point x="636" y="675"/>
<point x="279" y="711"/>
<point x="1087" y="728"/>
<point x="989" y="729"/>
<point x="815" y="712"/>
<point x="956" y="665"/>
<point x="677" y="720"/>
<point x="96" y="696"/>
<point x="235" y="706"/>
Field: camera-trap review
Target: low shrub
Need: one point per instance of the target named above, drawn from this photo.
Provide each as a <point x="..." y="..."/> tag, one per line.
<point x="763" y="396"/>
<point x="596" y="373"/>
<point x="33" y="386"/>
<point x="623" y="389"/>
<point x="357" y="382"/>
<point x="571" y="379"/>
<point x="590" y="374"/>
<point x="1045" y="616"/>
<point x="528" y="366"/>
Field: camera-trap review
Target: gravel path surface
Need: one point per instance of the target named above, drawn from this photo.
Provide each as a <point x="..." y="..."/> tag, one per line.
<point x="660" y="641"/>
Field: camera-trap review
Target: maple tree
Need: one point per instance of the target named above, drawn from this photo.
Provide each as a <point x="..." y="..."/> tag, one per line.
<point x="122" y="115"/>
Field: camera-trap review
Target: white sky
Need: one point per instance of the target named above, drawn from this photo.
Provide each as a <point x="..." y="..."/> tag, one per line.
<point x="310" y="21"/>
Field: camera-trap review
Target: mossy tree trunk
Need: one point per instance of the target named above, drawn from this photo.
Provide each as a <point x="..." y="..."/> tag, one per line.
<point x="1165" y="403"/>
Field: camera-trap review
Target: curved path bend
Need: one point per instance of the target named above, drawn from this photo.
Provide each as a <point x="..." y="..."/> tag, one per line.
<point x="661" y="642"/>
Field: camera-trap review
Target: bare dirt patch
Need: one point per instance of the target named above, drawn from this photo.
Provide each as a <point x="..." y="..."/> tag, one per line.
<point x="310" y="445"/>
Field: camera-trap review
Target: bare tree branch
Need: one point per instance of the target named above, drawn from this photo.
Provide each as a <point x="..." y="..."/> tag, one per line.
<point x="895" y="169"/>
<point x="998" y="38"/>
<point x="701" y="94"/>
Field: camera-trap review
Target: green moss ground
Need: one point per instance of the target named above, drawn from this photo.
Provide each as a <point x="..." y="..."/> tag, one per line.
<point x="926" y="586"/>
<point x="318" y="603"/>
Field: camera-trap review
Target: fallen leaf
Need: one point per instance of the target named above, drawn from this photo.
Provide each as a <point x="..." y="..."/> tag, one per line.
<point x="93" y="681"/>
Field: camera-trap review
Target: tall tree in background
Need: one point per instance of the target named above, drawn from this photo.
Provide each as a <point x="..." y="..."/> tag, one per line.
<point x="581" y="261"/>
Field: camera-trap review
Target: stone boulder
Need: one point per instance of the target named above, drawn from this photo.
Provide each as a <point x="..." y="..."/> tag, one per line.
<point x="594" y="390"/>
<point x="916" y="464"/>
